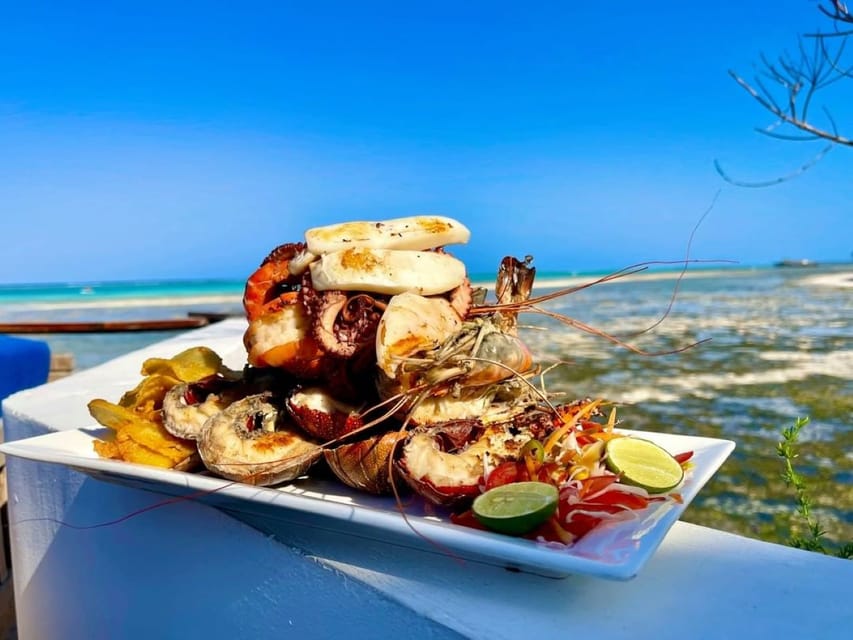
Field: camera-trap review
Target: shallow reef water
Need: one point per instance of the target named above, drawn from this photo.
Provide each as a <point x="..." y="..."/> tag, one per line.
<point x="780" y="347"/>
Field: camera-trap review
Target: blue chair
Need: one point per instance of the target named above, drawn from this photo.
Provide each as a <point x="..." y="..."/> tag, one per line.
<point x="24" y="363"/>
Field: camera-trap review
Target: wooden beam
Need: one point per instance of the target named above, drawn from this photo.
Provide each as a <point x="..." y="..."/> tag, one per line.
<point x="101" y="327"/>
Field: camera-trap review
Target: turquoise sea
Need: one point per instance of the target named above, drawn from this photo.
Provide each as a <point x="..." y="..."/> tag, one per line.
<point x="779" y="345"/>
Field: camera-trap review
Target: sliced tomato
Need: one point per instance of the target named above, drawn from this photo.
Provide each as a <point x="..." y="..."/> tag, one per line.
<point x="506" y="473"/>
<point x="579" y="524"/>
<point x="618" y="498"/>
<point x="578" y="506"/>
<point x="594" y="484"/>
<point x="552" y="531"/>
<point x="683" y="457"/>
<point x="584" y="439"/>
<point x="589" y="425"/>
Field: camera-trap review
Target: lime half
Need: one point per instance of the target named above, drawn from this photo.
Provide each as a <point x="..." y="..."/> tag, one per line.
<point x="643" y="464"/>
<point x="516" y="508"/>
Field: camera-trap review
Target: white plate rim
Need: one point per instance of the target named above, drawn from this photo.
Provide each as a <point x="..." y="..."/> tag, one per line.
<point x="613" y="552"/>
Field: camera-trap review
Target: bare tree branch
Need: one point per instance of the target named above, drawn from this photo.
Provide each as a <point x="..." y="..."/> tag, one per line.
<point x="787" y="88"/>
<point x="800" y="77"/>
<point x="838" y="13"/>
<point x="799" y="80"/>
<point x="778" y="180"/>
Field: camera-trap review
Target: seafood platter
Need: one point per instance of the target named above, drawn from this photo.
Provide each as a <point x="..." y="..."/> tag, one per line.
<point x="373" y="365"/>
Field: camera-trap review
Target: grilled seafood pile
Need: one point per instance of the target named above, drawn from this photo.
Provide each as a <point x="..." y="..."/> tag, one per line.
<point x="368" y="352"/>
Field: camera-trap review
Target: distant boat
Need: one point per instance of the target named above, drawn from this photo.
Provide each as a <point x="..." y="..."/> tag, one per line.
<point x="802" y="262"/>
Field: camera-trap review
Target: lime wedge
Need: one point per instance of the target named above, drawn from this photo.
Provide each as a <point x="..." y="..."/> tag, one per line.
<point x="516" y="508"/>
<point x="643" y="464"/>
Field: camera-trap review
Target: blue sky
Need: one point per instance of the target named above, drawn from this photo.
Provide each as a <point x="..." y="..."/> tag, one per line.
<point x="185" y="140"/>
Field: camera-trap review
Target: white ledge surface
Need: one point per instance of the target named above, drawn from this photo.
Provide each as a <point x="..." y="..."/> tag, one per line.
<point x="188" y="570"/>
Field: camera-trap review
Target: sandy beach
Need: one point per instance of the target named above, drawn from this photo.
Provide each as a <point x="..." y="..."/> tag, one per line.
<point x="544" y="281"/>
<point x="842" y="280"/>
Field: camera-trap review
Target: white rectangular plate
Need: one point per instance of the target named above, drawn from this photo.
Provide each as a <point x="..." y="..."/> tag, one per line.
<point x="615" y="550"/>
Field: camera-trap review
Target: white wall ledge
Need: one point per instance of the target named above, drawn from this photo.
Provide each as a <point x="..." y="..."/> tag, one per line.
<point x="188" y="570"/>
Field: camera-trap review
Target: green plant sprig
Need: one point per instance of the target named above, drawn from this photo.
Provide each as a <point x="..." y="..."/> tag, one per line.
<point x="814" y="541"/>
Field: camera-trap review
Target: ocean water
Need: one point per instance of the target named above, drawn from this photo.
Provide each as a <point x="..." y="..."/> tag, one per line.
<point x="775" y="344"/>
<point x="113" y="301"/>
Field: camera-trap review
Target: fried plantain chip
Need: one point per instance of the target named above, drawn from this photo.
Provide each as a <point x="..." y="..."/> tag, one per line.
<point x="107" y="449"/>
<point x="188" y="366"/>
<point x="139" y="439"/>
<point x="147" y="396"/>
<point x="132" y="451"/>
<point x="137" y="418"/>
<point x="111" y="415"/>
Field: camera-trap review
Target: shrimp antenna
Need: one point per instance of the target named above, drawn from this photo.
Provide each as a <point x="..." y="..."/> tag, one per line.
<point x="577" y="324"/>
<point x="630" y="270"/>
<point x="683" y="270"/>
